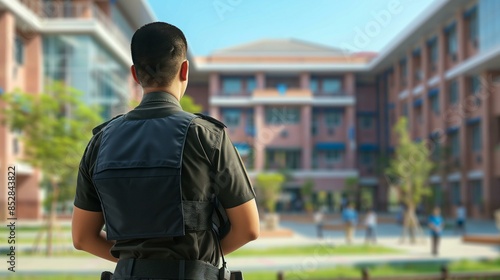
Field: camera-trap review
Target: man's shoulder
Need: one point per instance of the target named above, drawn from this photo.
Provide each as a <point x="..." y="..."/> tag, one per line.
<point x="209" y="123"/>
<point x="98" y="128"/>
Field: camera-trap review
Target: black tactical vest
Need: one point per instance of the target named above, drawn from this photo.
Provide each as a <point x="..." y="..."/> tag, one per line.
<point x="138" y="179"/>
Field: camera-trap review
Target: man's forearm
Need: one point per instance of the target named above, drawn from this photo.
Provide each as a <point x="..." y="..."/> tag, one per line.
<point x="99" y="246"/>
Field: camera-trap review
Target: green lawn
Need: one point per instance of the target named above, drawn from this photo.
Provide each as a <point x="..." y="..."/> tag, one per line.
<point x="386" y="270"/>
<point x="315" y="250"/>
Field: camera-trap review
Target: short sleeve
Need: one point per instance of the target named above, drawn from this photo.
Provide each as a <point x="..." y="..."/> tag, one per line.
<point x="231" y="182"/>
<point x="86" y="197"/>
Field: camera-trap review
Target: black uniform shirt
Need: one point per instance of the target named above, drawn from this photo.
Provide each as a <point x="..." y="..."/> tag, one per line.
<point x="210" y="164"/>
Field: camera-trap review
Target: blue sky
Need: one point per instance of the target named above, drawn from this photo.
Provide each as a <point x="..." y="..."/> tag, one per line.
<point x="358" y="25"/>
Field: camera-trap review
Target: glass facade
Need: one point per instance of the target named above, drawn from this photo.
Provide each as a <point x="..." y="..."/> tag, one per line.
<point x="489" y="24"/>
<point x="80" y="62"/>
<point x="122" y="23"/>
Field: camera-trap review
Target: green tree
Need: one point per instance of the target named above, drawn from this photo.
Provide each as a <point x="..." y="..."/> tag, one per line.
<point x="56" y="127"/>
<point x="410" y="170"/>
<point x="188" y="105"/>
<point x="351" y="189"/>
<point x="269" y="186"/>
<point x="307" y="191"/>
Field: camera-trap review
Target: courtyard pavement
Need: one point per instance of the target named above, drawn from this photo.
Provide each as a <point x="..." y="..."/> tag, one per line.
<point x="451" y="249"/>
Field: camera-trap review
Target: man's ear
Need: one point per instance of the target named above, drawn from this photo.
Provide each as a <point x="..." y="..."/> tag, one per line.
<point x="184" y="72"/>
<point x="134" y="74"/>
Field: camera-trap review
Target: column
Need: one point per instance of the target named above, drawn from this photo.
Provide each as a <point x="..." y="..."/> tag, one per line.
<point x="260" y="137"/>
<point x="487" y="152"/>
<point x="306" y="121"/>
<point x="7" y="33"/>
<point x="304" y="80"/>
<point x="464" y="148"/>
<point x="350" y="83"/>
<point x="34" y="62"/>
<point x="261" y="80"/>
<point x="214" y="89"/>
<point x="461" y="35"/>
<point x="350" y="115"/>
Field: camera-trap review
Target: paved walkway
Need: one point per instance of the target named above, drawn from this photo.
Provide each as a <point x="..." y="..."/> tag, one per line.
<point x="451" y="249"/>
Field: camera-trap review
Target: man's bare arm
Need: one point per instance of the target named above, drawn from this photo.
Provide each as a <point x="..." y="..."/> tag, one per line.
<point x="245" y="226"/>
<point x="86" y="229"/>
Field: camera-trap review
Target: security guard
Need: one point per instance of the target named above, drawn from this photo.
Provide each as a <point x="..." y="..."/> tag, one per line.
<point x="151" y="176"/>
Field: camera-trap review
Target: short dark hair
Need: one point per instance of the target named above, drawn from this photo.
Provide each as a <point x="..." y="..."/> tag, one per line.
<point x="158" y="50"/>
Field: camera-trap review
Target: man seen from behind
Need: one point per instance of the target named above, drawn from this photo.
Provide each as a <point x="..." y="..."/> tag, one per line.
<point x="151" y="175"/>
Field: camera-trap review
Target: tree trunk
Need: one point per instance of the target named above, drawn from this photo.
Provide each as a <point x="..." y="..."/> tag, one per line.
<point x="411" y="225"/>
<point x="52" y="216"/>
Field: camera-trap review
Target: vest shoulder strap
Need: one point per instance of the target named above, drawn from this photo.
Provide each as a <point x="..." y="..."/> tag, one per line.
<point x="212" y="120"/>
<point x="98" y="128"/>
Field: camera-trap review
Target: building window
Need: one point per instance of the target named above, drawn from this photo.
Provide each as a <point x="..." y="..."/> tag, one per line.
<point x="251" y="84"/>
<point x="405" y="110"/>
<point x="333" y="118"/>
<point x="473" y="25"/>
<point x="477" y="192"/>
<point x="433" y="53"/>
<point x="365" y="157"/>
<point x="436" y="152"/>
<point x="418" y="115"/>
<point x="282" y="115"/>
<point x="231" y="86"/>
<point x="314" y="124"/>
<point x="327" y="86"/>
<point x="451" y="41"/>
<point x="232" y="117"/>
<point x="476" y="137"/>
<point x="315" y="164"/>
<point x="332" y="156"/>
<point x="19" y="50"/>
<point x="250" y="125"/>
<point x="404" y="72"/>
<point x="475" y="85"/>
<point x="278" y="159"/>
<point x="365" y="122"/>
<point x="435" y="103"/>
<point x="456" y="193"/>
<point x="15" y="145"/>
<point x="332" y="86"/>
<point x="238" y="85"/>
<point x="437" y="193"/>
<point x="455" y="144"/>
<point x="453" y="92"/>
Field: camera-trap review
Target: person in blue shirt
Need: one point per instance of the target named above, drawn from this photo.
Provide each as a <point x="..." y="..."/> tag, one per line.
<point x="436" y="227"/>
<point x="350" y="218"/>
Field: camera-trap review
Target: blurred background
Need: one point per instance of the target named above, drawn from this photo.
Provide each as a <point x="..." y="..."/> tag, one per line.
<point x="388" y="105"/>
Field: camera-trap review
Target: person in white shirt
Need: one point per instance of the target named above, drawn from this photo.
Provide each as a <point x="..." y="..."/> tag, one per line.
<point x="318" y="220"/>
<point x="370" y="223"/>
<point x="461" y="215"/>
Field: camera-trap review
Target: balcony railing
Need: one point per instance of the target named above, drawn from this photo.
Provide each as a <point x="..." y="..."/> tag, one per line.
<point x="76" y="10"/>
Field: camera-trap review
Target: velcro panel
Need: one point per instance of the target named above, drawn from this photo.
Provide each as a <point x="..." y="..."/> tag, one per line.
<point x="141" y="203"/>
<point x="197" y="215"/>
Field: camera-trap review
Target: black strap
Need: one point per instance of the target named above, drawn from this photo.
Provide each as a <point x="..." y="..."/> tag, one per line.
<point x="170" y="269"/>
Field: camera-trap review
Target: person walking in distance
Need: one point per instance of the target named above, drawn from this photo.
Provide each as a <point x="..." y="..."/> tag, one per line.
<point x="461" y="216"/>
<point x="370" y="223"/>
<point x="350" y="218"/>
<point x="436" y="227"/>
